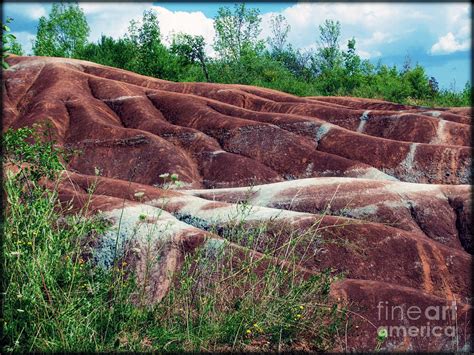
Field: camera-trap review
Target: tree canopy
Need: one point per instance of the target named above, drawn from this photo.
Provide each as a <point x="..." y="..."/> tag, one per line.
<point x="63" y="33"/>
<point x="241" y="56"/>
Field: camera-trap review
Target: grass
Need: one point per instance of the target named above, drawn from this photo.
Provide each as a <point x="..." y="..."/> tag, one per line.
<point x="226" y="296"/>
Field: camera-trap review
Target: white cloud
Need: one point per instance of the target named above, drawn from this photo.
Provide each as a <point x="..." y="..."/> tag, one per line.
<point x="457" y="34"/>
<point x="368" y="55"/>
<point x="449" y="44"/>
<point x="36" y="11"/>
<point x="114" y="20"/>
<point x="194" y="23"/>
<point x="29" y="10"/>
<point x="111" y="19"/>
<point x="374" y="25"/>
<point x="26" y="40"/>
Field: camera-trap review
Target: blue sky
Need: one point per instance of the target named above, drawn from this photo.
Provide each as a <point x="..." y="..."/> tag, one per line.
<point x="435" y="35"/>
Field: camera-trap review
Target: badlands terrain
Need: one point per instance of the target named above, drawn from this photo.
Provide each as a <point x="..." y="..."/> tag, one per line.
<point x="388" y="185"/>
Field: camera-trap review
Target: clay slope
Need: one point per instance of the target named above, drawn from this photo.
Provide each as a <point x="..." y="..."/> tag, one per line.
<point x="386" y="185"/>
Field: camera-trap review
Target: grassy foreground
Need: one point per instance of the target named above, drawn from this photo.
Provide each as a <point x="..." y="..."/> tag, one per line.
<point x="223" y="298"/>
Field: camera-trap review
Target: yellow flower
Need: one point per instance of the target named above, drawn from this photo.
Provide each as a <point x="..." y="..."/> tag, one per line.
<point x="249" y="331"/>
<point x="301" y="307"/>
<point x="124" y="263"/>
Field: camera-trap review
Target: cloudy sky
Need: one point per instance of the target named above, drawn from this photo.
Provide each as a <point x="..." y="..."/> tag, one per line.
<point x="436" y="35"/>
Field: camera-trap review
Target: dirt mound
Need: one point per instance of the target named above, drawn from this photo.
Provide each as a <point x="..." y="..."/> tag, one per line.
<point x="386" y="185"/>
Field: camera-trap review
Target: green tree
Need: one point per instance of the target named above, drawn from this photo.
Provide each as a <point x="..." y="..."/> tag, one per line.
<point x="64" y="33"/>
<point x="328" y="54"/>
<point x="7" y="39"/>
<point x="280" y="29"/>
<point x="152" y="57"/>
<point x="352" y="66"/>
<point x="417" y="82"/>
<point x="237" y="31"/>
<point x="191" y="50"/>
<point x="118" y="53"/>
<point x="9" y="43"/>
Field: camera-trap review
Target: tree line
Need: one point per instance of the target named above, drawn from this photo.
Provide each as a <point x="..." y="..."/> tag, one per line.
<point x="242" y="57"/>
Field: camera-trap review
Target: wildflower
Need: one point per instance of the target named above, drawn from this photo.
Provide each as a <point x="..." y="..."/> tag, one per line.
<point x="298" y="316"/>
<point x="124" y="263"/>
<point x="165" y="175"/>
<point x="249" y="331"/>
<point x="139" y="194"/>
<point x="301" y="307"/>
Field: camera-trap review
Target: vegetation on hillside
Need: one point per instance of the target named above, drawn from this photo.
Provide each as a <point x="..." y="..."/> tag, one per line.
<point x="55" y="298"/>
<point x="333" y="68"/>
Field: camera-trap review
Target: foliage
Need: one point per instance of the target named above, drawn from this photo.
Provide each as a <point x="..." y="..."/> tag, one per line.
<point x="190" y="50"/>
<point x="152" y="58"/>
<point x="119" y="53"/>
<point x="64" y="33"/>
<point x="32" y="152"/>
<point x="280" y="29"/>
<point x="329" y="54"/>
<point x="9" y="45"/>
<point x="236" y="31"/>
<point x="242" y="58"/>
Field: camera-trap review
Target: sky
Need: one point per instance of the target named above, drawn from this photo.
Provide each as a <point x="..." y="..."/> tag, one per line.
<point x="435" y="35"/>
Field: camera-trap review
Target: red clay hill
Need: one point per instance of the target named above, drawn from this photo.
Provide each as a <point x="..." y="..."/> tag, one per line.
<point x="395" y="177"/>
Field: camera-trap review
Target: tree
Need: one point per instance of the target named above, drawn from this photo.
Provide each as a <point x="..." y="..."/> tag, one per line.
<point x="191" y="49"/>
<point x="434" y="86"/>
<point x="119" y="53"/>
<point x="64" y="33"/>
<point x="15" y="47"/>
<point x="280" y="28"/>
<point x="406" y="63"/>
<point x="327" y="62"/>
<point x="352" y="66"/>
<point x="417" y="82"/>
<point x="8" y="43"/>
<point x="152" y="57"/>
<point x="236" y="31"/>
<point x="329" y="54"/>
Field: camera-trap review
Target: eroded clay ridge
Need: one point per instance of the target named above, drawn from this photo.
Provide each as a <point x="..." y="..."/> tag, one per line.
<point x="390" y="255"/>
<point x="213" y="135"/>
<point x="381" y="189"/>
